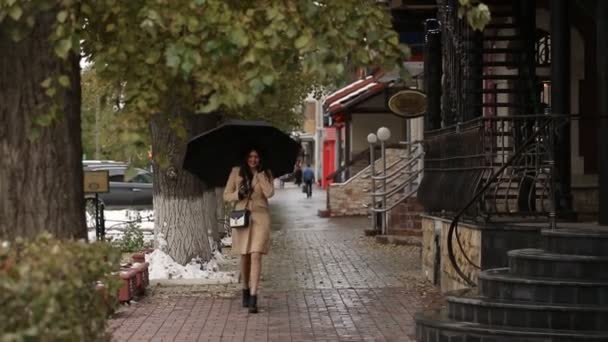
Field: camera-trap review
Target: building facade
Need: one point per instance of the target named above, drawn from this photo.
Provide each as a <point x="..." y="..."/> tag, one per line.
<point x="515" y="185"/>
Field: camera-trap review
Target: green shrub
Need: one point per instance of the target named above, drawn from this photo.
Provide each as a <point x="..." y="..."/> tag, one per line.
<point x="48" y="289"/>
<point x="132" y="239"/>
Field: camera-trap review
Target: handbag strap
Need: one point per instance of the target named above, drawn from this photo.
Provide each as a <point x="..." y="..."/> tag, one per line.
<point x="248" y="199"/>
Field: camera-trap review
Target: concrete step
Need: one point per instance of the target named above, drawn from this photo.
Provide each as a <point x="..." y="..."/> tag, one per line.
<point x="501" y="285"/>
<point x="576" y="241"/>
<point x="468" y="306"/>
<point x="399" y="240"/>
<point x="538" y="263"/>
<point x="405" y="231"/>
<point x="435" y="326"/>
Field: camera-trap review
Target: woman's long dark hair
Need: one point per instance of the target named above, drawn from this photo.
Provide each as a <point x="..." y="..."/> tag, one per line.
<point x="246" y="173"/>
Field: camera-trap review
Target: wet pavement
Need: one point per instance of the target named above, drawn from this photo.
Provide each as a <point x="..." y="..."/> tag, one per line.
<point x="322" y="281"/>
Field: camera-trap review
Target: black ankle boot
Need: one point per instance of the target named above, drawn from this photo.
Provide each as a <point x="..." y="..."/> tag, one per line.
<point x="253" y="304"/>
<point x="246" y="297"/>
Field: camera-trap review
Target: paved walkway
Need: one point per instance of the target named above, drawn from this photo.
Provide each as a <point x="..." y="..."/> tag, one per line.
<point x="322" y="281"/>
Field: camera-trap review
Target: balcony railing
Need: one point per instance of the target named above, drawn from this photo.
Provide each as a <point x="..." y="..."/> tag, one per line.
<point x="509" y="164"/>
<point x="463" y="158"/>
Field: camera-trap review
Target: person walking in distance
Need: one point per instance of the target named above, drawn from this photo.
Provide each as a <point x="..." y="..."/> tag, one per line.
<point x="297" y="174"/>
<point x="308" y="176"/>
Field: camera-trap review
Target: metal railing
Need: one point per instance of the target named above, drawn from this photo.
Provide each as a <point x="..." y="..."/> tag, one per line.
<point x="517" y="173"/>
<point x="395" y="184"/>
<point x="465" y="157"/>
<point x="361" y="156"/>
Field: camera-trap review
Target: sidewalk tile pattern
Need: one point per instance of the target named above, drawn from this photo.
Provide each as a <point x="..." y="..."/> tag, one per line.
<point x="322" y="281"/>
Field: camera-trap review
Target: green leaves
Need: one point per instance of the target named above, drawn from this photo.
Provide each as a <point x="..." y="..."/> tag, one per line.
<point x="15" y="12"/>
<point x="64" y="81"/>
<point x="239" y="37"/>
<point x="63" y="47"/>
<point x="477" y="14"/>
<point x="57" y="284"/>
<point x="233" y="56"/>
<point x="46" y="83"/>
<point x="44" y="120"/>
<point x="302" y="41"/>
<point x="172" y="57"/>
<point x="62" y="16"/>
<point x="478" y="17"/>
<point x="268" y="79"/>
<point x="153" y="56"/>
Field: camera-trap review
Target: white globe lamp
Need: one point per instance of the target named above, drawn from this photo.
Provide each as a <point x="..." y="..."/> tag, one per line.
<point x="384" y="134"/>
<point x="372" y="138"/>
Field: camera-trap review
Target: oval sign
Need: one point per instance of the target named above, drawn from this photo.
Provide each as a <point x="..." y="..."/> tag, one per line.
<point x="410" y="103"/>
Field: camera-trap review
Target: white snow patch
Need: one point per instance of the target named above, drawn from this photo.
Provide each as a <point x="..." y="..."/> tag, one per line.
<point x="227" y="241"/>
<point x="116" y="221"/>
<point x="162" y="266"/>
<point x="218" y="256"/>
<point x="118" y="218"/>
<point x="92" y="235"/>
<point x="161" y="242"/>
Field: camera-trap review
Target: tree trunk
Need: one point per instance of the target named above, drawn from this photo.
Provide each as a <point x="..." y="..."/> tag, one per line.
<point x="219" y="196"/>
<point x="41" y="174"/>
<point x="184" y="208"/>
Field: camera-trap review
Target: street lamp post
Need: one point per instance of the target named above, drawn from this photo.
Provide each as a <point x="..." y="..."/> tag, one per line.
<point x="372" y="139"/>
<point x="384" y="134"/>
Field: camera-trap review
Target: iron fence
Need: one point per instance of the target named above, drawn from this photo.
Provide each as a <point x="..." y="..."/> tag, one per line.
<point x="463" y="158"/>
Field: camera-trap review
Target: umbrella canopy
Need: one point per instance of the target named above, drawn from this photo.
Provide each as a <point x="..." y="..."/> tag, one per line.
<point x="214" y="153"/>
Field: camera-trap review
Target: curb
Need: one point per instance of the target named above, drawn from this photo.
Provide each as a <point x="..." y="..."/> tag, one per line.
<point x="189" y="282"/>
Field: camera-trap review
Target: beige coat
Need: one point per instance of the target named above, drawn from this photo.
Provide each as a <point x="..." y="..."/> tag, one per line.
<point x="255" y="237"/>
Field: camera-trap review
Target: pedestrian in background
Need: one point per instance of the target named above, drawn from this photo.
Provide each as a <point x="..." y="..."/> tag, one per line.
<point x="297" y="174"/>
<point x="308" y="176"/>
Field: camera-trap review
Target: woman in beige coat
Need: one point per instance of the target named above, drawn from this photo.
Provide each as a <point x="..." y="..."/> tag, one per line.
<point x="251" y="186"/>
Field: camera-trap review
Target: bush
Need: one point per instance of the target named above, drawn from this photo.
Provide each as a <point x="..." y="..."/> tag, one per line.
<point x="48" y="289"/>
<point x="132" y="239"/>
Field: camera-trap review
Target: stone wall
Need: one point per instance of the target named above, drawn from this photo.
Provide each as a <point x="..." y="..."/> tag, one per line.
<point x="350" y="198"/>
<point x="406" y="217"/>
<point x="430" y="260"/>
<point x="437" y="267"/>
<point x="585" y="202"/>
<point x="486" y="245"/>
<point x="471" y="243"/>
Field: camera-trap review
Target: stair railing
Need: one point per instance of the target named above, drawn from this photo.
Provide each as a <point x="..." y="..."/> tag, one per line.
<point x="542" y="134"/>
<point x="398" y="188"/>
<point x="356" y="158"/>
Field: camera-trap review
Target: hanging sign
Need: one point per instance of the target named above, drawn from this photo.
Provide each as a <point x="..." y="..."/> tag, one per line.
<point x="408" y="103"/>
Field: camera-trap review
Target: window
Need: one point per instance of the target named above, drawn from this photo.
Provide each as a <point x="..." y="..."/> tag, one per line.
<point x="142" y="177"/>
<point x="543" y="48"/>
<point x="117" y="178"/>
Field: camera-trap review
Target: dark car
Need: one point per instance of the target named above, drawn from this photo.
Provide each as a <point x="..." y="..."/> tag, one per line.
<point x="129" y="187"/>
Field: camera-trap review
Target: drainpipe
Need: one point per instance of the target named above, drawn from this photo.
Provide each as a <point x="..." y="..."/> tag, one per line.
<point x="560" y="97"/>
<point x="602" y="106"/>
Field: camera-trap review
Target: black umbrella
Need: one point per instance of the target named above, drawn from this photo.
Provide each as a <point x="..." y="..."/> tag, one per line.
<point x="212" y="154"/>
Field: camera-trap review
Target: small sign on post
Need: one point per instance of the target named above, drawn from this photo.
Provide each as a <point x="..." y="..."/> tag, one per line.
<point x="96" y="182"/>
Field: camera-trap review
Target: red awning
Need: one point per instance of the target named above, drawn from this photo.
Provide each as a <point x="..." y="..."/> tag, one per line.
<point x="342" y="103"/>
<point x="341" y="99"/>
<point x="349" y="89"/>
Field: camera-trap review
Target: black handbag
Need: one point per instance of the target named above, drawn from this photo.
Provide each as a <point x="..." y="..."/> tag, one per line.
<point x="240" y="218"/>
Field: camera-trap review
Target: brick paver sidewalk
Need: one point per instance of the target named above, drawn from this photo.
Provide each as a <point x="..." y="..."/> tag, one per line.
<point x="323" y="281"/>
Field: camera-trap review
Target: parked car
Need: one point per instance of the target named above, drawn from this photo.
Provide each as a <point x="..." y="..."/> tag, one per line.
<point x="129" y="187"/>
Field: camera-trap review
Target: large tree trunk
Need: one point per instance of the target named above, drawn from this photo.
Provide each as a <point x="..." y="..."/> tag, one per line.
<point x="219" y="196"/>
<point x="41" y="174"/>
<point x="184" y="208"/>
